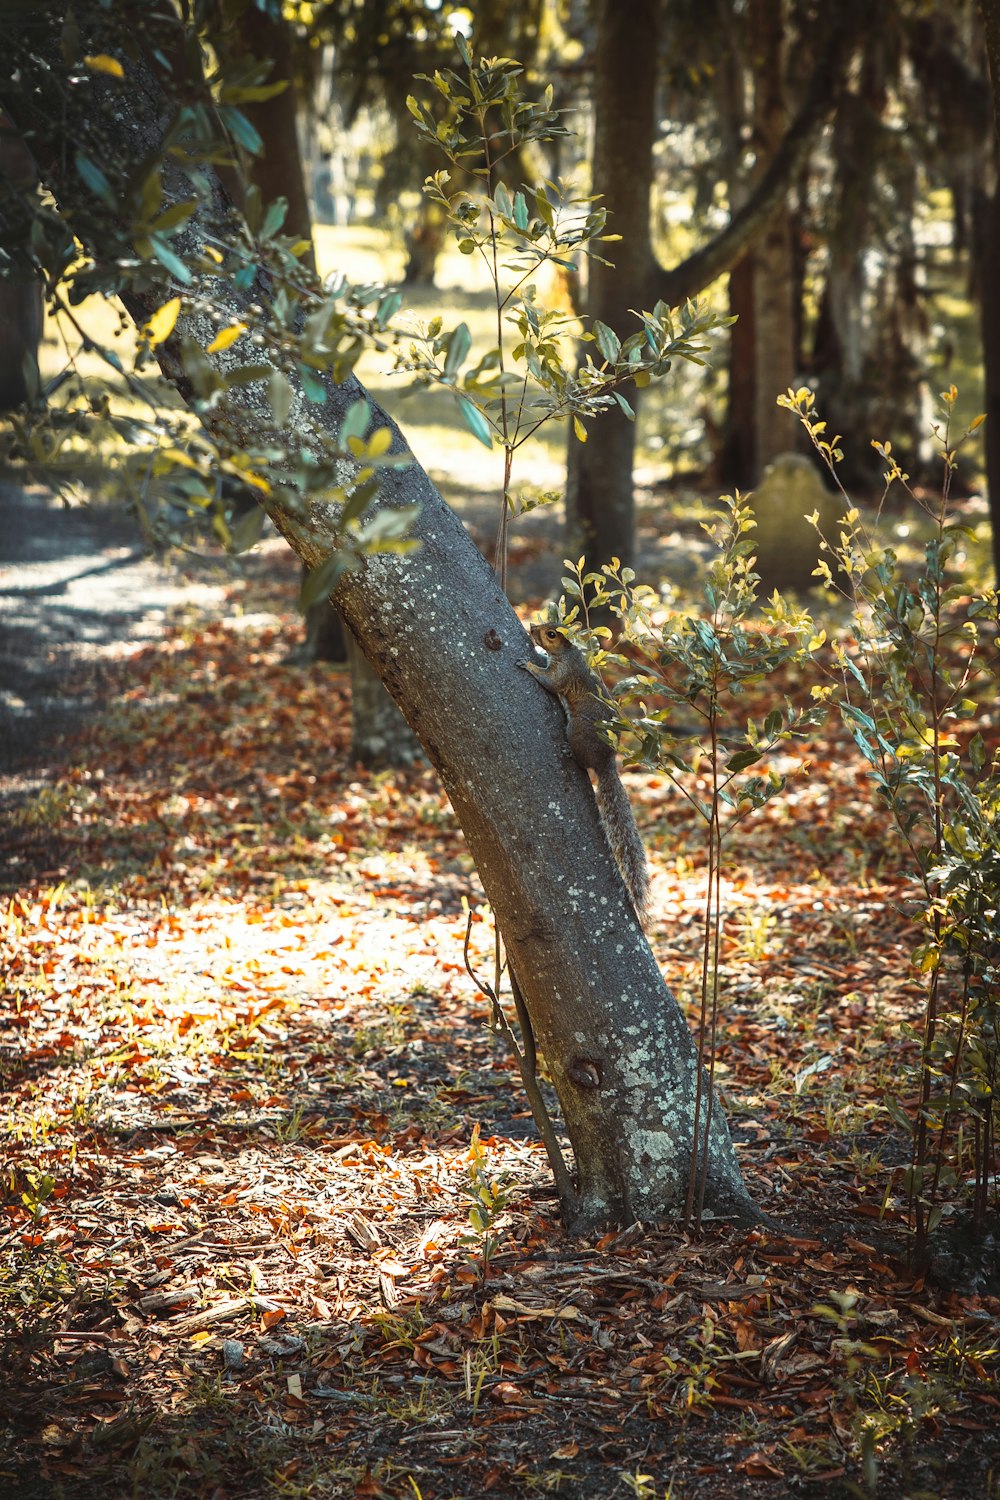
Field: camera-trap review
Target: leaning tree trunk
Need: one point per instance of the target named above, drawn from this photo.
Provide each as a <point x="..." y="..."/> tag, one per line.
<point x="446" y="642"/>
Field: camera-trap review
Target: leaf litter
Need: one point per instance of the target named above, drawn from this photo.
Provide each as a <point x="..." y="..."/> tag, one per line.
<point x="243" y="1071"/>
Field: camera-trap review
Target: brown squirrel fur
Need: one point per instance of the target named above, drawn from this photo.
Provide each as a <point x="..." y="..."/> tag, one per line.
<point x="571" y="680"/>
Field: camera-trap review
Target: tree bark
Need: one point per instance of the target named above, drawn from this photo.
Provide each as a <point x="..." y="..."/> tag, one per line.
<point x="773" y="276"/>
<point x="738" y="460"/>
<point x="278" y="173"/>
<point x="446" y="642"/>
<point x="600" y="513"/>
<point x="599" y="509"/>
<point x="991" y="294"/>
<point x="990" y="326"/>
<point x="379" y="734"/>
<point x="851" y="19"/>
<point x="22" y="311"/>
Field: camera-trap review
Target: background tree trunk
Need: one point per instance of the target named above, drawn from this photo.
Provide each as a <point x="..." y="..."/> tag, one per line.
<point x="762" y="352"/>
<point x="446" y="642"/>
<point x="379" y="734"/>
<point x="775" y="358"/>
<point x="600" y="510"/>
<point x="991" y="294"/>
<point x="600" y="514"/>
<point x="278" y="173"/>
<point x="738" y="460"/>
<point x="990" y="324"/>
<point x="22" y="312"/>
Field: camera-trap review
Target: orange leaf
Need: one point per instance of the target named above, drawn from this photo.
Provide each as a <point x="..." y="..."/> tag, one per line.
<point x="759" y="1466"/>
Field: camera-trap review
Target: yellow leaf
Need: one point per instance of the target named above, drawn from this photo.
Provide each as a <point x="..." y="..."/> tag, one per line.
<point x="225" y="337"/>
<point x="166" y="458"/>
<point x="213" y="254"/>
<point x="379" y="442"/>
<point x="579" y="429"/>
<point x="197" y="1339"/>
<point x="257" y="480"/>
<point x="161" y="324"/>
<point x="300" y="247"/>
<point x="100" y="62"/>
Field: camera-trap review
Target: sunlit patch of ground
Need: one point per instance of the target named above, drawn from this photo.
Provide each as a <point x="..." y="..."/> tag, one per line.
<point x="244" y="1068"/>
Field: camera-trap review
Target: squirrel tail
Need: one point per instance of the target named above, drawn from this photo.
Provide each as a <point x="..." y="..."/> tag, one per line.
<point x="623" y="836"/>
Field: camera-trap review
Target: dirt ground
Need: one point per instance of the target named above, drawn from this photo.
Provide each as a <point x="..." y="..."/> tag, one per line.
<point x="77" y="589"/>
<point x="238" y="1043"/>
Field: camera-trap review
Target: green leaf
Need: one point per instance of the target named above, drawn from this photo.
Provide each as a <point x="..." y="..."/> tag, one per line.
<point x="151" y="197"/>
<point x="607" y="341"/>
<point x="321" y="582"/>
<point x="312" y="385"/>
<point x="520" y="211"/>
<point x="742" y="759"/>
<point x="247" y="530"/>
<point x="388" y="307"/>
<point x="279" y="391"/>
<point x="257" y="93"/>
<point x="169" y="259"/>
<point x="355" y="423"/>
<point x="459" y="344"/>
<point x="388" y="527"/>
<point x="240" y="128"/>
<point x="360" y="498"/>
<point x="772" y="724"/>
<point x="977" y="752"/>
<point x="475" y="421"/>
<point x="176" y="214"/>
<point x="246" y="374"/>
<point x="95" y="179"/>
<point x="544" y="207"/>
<point x="274" y="218"/>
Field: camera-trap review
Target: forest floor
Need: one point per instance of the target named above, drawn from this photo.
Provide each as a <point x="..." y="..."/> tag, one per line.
<point x="250" y="1096"/>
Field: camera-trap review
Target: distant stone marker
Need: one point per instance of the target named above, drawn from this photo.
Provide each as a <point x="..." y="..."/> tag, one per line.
<point x="787" y="545"/>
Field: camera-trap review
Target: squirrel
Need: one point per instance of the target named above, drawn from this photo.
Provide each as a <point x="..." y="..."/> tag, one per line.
<point x="571" y="680"/>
